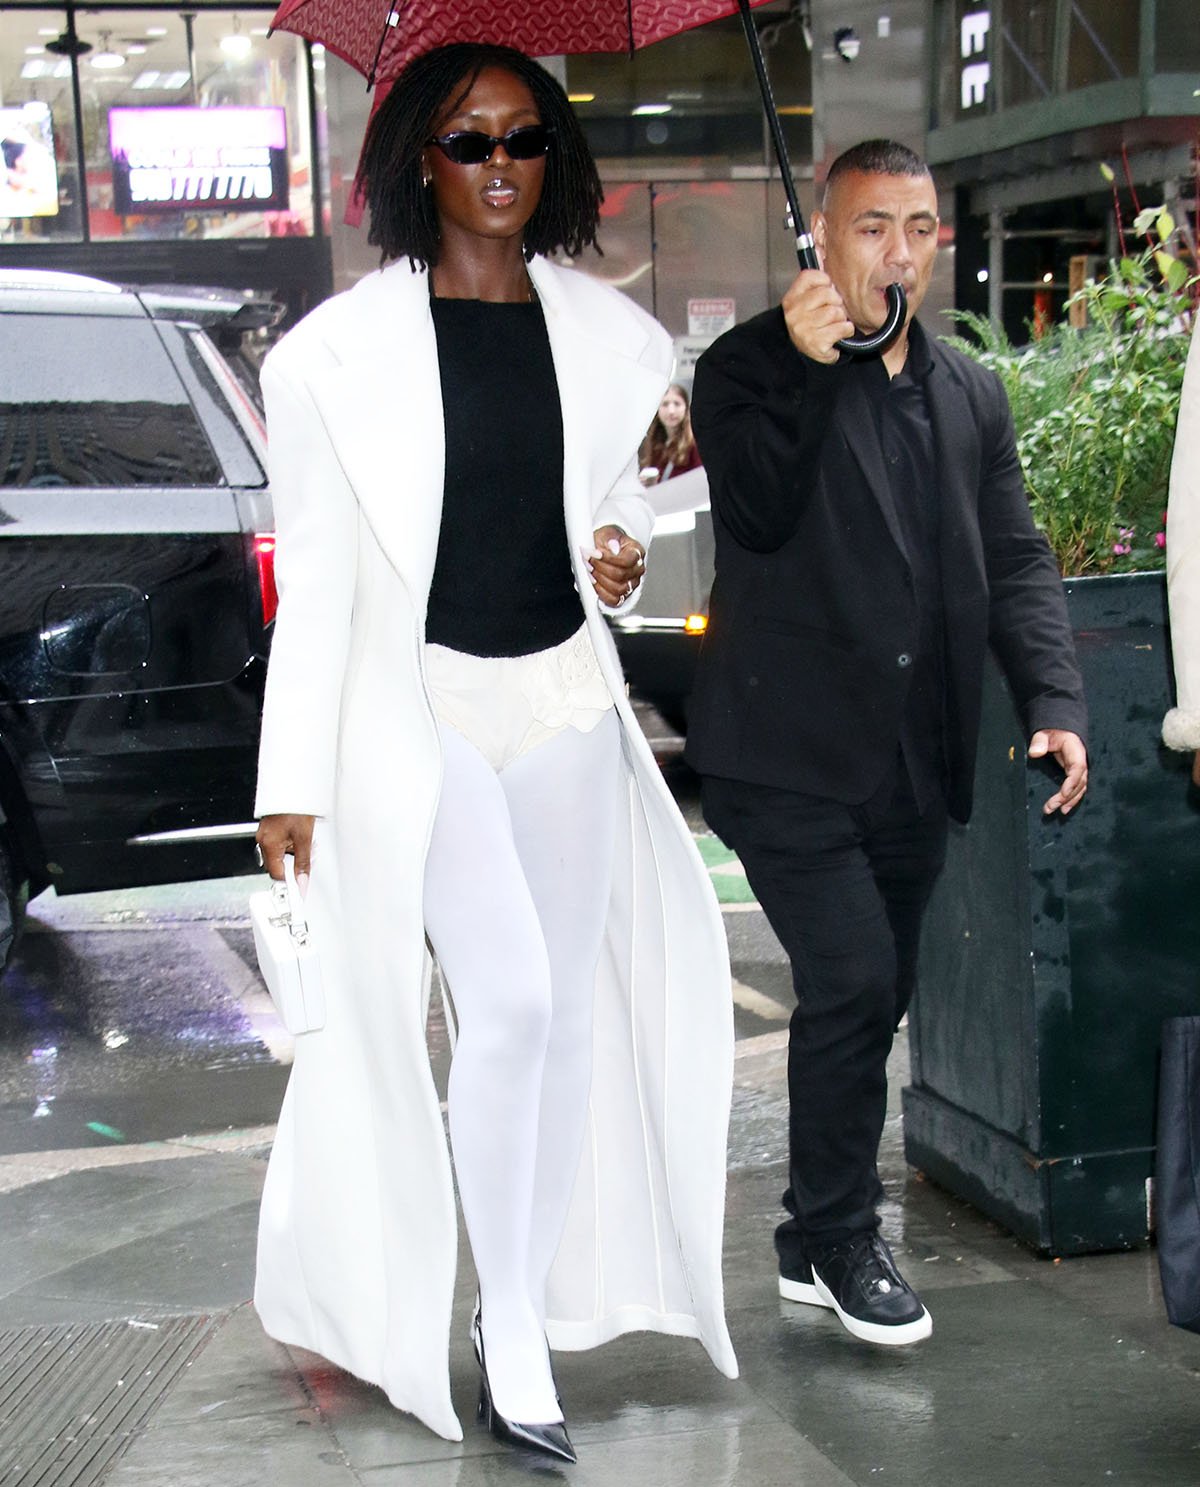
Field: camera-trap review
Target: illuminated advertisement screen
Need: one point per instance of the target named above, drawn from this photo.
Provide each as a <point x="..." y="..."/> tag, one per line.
<point x="198" y="159"/>
<point x="28" y="174"/>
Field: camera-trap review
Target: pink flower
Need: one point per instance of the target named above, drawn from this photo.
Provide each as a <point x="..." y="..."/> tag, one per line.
<point x="1121" y="548"/>
<point x="1160" y="539"/>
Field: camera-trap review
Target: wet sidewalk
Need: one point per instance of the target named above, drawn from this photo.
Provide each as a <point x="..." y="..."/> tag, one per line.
<point x="129" y="1354"/>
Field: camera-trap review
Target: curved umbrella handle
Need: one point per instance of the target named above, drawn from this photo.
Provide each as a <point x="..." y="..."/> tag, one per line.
<point x="878" y="341"/>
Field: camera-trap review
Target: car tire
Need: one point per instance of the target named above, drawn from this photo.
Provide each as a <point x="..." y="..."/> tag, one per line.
<point x="14" y="893"/>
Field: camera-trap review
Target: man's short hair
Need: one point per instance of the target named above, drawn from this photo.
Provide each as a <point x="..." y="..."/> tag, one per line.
<point x="875" y="157"/>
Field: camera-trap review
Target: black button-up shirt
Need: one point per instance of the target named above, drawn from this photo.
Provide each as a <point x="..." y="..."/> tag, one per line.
<point x="906" y="436"/>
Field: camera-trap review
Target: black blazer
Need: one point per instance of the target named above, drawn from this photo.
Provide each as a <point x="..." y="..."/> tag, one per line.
<point x="805" y="665"/>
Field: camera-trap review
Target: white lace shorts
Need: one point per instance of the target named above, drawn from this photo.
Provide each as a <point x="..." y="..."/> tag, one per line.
<point x="507" y="705"/>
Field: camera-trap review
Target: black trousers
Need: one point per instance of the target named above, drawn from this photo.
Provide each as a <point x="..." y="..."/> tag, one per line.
<point x="844" y="888"/>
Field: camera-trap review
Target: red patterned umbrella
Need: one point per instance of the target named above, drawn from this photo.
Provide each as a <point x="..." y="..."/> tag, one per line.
<point x="379" y="36"/>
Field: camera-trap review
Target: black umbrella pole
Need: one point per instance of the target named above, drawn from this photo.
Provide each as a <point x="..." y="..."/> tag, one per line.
<point x="805" y="251"/>
<point x="897" y="305"/>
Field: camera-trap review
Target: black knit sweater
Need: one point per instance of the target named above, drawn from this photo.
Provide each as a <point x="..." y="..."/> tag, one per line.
<point x="503" y="584"/>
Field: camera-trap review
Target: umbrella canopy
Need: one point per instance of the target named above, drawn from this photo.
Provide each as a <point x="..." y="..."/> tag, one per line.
<point x="379" y="36"/>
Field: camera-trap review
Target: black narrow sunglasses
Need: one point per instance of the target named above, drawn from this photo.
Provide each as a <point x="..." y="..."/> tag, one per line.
<point x="472" y="147"/>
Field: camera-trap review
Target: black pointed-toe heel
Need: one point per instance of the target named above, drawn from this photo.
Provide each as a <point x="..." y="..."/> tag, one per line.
<point x="548" y="1439"/>
<point x="478" y="1346"/>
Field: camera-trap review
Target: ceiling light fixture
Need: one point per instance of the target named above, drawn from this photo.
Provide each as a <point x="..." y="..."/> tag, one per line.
<point x="106" y="59"/>
<point x="651" y="108"/>
<point x="236" y="45"/>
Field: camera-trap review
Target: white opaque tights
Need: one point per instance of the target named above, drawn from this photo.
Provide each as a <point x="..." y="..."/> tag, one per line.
<point x="516" y="893"/>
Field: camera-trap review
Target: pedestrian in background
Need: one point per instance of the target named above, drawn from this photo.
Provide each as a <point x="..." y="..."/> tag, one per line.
<point x="873" y="537"/>
<point x="449" y="753"/>
<point x="1181" y="726"/>
<point x="669" y="447"/>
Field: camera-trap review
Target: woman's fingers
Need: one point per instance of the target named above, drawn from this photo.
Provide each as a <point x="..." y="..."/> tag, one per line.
<point x="283" y="835"/>
<point x="614" y="584"/>
<point x="616" y="564"/>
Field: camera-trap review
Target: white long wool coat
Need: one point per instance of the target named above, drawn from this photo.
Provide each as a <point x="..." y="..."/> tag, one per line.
<point x="357" y="1236"/>
<point x="1181" y="726"/>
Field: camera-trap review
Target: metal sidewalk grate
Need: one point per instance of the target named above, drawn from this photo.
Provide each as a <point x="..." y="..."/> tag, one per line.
<point x="73" y="1396"/>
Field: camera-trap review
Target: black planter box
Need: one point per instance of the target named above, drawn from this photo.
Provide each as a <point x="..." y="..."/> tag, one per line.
<point x="1053" y="950"/>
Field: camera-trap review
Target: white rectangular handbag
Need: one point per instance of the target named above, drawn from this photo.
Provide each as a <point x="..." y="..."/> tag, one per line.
<point x="287" y="957"/>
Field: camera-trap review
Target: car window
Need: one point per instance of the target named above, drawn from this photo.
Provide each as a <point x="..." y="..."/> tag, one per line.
<point x="95" y="401"/>
<point x="220" y="398"/>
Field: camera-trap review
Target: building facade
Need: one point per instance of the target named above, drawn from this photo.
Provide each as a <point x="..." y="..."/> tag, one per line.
<point x="1053" y="122"/>
<point x="146" y="144"/>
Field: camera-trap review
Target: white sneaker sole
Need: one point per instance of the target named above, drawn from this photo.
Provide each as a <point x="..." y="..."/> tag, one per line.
<point x="796" y="1290"/>
<point x="896" y="1336"/>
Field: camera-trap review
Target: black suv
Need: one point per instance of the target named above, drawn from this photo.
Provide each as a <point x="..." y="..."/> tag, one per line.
<point x="136" y="586"/>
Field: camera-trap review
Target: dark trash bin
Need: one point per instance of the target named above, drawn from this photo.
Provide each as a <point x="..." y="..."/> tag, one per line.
<point x="1053" y="950"/>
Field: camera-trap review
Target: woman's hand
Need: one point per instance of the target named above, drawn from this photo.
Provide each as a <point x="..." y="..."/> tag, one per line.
<point x="616" y="565"/>
<point x="279" y="835"/>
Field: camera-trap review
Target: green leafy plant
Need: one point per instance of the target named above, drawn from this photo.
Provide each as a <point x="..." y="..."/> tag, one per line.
<point x="1095" y="406"/>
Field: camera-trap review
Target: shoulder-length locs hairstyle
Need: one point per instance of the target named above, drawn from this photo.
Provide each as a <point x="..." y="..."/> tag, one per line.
<point x="403" y="218"/>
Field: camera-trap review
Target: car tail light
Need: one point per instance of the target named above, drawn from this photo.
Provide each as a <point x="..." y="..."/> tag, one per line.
<point x="696" y="624"/>
<point x="264" y="552"/>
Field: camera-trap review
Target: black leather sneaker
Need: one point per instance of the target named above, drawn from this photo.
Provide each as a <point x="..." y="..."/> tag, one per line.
<point x="859" y="1279"/>
<point x="797" y="1285"/>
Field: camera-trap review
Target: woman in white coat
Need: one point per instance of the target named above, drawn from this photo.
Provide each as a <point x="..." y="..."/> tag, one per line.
<point x="449" y="754"/>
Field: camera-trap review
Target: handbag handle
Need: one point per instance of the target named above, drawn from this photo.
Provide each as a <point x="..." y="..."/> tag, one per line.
<point x="289" y="906"/>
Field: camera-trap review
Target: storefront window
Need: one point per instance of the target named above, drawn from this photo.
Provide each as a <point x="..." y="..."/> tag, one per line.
<point x="1103" y="42"/>
<point x="1177" y="36"/>
<point x="39" y="178"/>
<point x="1014" y="52"/>
<point x="963" y="43"/>
<point x="694" y="97"/>
<point x="195" y="125"/>
<point x="1026" y="43"/>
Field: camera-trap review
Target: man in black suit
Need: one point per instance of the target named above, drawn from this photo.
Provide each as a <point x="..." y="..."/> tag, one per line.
<point x="873" y="538"/>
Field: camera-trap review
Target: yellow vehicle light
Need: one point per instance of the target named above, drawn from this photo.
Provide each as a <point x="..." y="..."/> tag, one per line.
<point x="696" y="624"/>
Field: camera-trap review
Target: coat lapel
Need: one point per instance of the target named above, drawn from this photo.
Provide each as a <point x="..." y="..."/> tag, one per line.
<point x="957" y="454"/>
<point x="608" y="395"/>
<point x="382" y="408"/>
